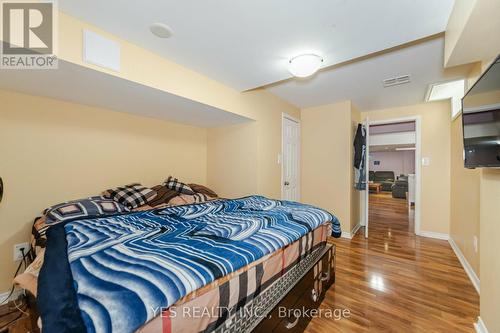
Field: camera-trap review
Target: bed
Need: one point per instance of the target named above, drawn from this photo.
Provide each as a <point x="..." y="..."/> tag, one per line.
<point x="188" y="268"/>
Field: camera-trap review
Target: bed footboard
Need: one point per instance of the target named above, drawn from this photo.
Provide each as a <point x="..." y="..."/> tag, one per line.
<point x="281" y="306"/>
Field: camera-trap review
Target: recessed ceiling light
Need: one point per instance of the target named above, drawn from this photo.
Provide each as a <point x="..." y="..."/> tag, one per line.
<point x="161" y="30"/>
<point x="305" y="65"/>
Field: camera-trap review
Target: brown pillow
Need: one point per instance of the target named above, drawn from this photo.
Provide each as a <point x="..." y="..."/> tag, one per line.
<point x="203" y="190"/>
<point x="164" y="195"/>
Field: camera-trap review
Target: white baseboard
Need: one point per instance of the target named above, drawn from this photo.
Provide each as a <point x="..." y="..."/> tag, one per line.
<point x="346" y="234"/>
<point x="432" y="234"/>
<point x="479" y="326"/>
<point x="350" y="235"/>
<point x="15" y="295"/>
<point x="355" y="230"/>
<point x="467" y="267"/>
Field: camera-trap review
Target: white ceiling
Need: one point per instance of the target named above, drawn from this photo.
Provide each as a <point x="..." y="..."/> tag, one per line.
<point x="77" y="84"/>
<point x="246" y="44"/>
<point x="361" y="81"/>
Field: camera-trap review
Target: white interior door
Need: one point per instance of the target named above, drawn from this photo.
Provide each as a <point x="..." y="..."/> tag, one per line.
<point x="367" y="175"/>
<point x="290" y="188"/>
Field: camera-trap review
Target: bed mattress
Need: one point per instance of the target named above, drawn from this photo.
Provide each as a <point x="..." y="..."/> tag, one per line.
<point x="119" y="273"/>
<point x="208" y="307"/>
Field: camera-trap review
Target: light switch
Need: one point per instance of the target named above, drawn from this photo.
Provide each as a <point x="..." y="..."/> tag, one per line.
<point x="426" y="161"/>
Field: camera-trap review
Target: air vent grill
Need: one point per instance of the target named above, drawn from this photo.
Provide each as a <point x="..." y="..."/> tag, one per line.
<point x="394" y="81"/>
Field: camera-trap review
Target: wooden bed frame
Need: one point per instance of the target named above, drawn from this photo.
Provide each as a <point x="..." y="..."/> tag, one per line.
<point x="281" y="307"/>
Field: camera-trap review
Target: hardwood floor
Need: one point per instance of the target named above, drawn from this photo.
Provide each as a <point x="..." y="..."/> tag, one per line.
<point x="396" y="281"/>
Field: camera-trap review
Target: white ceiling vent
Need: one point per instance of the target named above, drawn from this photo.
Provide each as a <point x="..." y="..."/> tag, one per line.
<point x="394" y="81"/>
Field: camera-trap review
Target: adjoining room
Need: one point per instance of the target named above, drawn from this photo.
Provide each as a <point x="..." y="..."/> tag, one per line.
<point x="392" y="168"/>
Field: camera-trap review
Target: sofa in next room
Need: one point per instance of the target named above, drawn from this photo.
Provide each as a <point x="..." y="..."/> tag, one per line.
<point x="386" y="178"/>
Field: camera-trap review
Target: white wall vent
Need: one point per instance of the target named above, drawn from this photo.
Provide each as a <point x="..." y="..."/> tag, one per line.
<point x="101" y="51"/>
<point x="394" y="81"/>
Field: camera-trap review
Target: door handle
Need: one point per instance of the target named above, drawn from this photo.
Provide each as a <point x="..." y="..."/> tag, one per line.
<point x="287" y="183"/>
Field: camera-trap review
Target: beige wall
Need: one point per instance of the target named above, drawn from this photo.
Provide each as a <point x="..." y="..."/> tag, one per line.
<point x="461" y="12"/>
<point x="236" y="160"/>
<point x="464" y="191"/>
<point x="53" y="151"/>
<point x="489" y="203"/>
<point x="471" y="36"/>
<point x="472" y="32"/>
<point x="243" y="159"/>
<point x="489" y="221"/>
<point x="327" y="172"/>
<point x="490" y="248"/>
<point x="232" y="164"/>
<point x="436" y="129"/>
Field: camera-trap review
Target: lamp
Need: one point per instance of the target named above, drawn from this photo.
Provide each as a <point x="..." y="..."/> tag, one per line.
<point x="305" y="65"/>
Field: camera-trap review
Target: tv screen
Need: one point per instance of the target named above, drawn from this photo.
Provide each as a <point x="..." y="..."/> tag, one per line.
<point x="481" y="120"/>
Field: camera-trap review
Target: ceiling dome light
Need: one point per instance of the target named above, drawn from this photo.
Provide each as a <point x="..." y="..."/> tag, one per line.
<point x="305" y="65"/>
<point x="161" y="30"/>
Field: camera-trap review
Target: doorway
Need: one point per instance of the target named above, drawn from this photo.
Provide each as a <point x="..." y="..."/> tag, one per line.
<point x="290" y="156"/>
<point x="393" y="173"/>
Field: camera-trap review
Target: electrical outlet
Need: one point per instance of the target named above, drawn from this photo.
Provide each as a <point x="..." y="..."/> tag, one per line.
<point x="475" y="244"/>
<point x="18" y="255"/>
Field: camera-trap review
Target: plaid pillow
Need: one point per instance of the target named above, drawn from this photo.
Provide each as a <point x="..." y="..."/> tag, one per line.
<point x="174" y="184"/>
<point x="200" y="197"/>
<point x="89" y="207"/>
<point x="132" y="195"/>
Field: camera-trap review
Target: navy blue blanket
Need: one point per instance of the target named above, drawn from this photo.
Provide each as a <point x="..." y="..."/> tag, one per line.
<point x="109" y="274"/>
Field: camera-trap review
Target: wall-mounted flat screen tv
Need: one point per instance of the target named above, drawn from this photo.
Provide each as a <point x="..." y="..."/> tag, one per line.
<point x="481" y="120"/>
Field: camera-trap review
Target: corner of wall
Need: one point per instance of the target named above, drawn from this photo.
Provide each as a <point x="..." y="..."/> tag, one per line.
<point x="327" y="168"/>
<point x="459" y="16"/>
<point x="489" y="247"/>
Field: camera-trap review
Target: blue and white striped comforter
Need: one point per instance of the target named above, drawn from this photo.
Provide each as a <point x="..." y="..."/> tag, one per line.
<point x="125" y="266"/>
